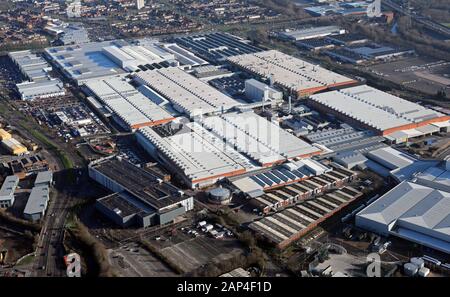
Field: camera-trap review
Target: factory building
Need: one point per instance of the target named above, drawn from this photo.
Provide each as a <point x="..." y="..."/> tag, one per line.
<point x="307" y="33"/>
<point x="185" y="57"/>
<point x="140" y="198"/>
<point x="216" y="47"/>
<point x="196" y="155"/>
<point x="44" y="178"/>
<point x="129" y="107"/>
<point x="288" y="173"/>
<point x="37" y="203"/>
<point x="376" y="110"/>
<point x="7" y="191"/>
<point x="188" y="94"/>
<point x="258" y="91"/>
<point x="436" y="177"/>
<point x="295" y="75"/>
<point x="4" y="135"/>
<point x="413" y="212"/>
<point x="14" y="147"/>
<point x="81" y="62"/>
<point x="39" y="83"/>
<point x="304" y="189"/>
<point x="32" y="66"/>
<point x="290" y="224"/>
<point x="344" y="138"/>
<point x="41" y="89"/>
<point x="129" y="57"/>
<point x="257" y="138"/>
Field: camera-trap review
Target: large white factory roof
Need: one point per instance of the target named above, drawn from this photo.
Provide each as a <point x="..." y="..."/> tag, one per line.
<point x="37" y="201"/>
<point x="40" y="88"/>
<point x="391" y="158"/>
<point x="31" y="65"/>
<point x="375" y="108"/>
<point x="189" y="94"/>
<point x="198" y="153"/>
<point x="185" y="57"/>
<point x="131" y="106"/>
<point x="129" y="57"/>
<point x="314" y="32"/>
<point x="411" y="211"/>
<point x="437" y="177"/>
<point x="8" y="187"/>
<point x="86" y="61"/>
<point x="260" y="139"/>
<point x="290" y="72"/>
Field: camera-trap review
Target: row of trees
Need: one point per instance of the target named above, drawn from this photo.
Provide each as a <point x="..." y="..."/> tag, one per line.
<point x="92" y="248"/>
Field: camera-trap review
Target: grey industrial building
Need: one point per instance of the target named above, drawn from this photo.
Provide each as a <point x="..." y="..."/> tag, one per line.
<point x="216" y="47"/>
<point x="40" y="195"/>
<point x="38" y="83"/>
<point x="7" y="191"/>
<point x="37" y="203"/>
<point x="290" y="224"/>
<point x="44" y="178"/>
<point x="308" y="33"/>
<point x="140" y="198"/>
<point x="413" y="212"/>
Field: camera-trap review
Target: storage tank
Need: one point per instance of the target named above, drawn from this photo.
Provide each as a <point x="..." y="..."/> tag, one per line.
<point x="219" y="196"/>
<point x="410" y="269"/>
<point x="418" y="261"/>
<point x="423" y="272"/>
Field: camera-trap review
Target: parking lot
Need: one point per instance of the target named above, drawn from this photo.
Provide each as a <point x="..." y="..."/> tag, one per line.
<point x="417" y="73"/>
<point x="192" y="246"/>
<point x="66" y="115"/>
<point x="134" y="261"/>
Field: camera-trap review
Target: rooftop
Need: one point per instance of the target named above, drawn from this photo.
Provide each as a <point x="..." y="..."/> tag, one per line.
<point x="199" y="154"/>
<point x="9" y="186"/>
<point x="306" y="33"/>
<point x="44" y="177"/>
<point x="190" y="94"/>
<point x="86" y="61"/>
<point x="140" y="183"/>
<point x="258" y="138"/>
<point x="377" y="109"/>
<point x="415" y="209"/>
<point x="290" y="72"/>
<point x="216" y="46"/>
<point x="37" y="201"/>
<point x="131" y="106"/>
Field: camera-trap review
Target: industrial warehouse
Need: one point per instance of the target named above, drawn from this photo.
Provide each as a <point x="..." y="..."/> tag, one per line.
<point x="108" y="58"/>
<point x="39" y="83"/>
<point x="290" y="172"/>
<point x="411" y="211"/>
<point x="288" y="225"/>
<point x="7" y="191"/>
<point x="130" y="107"/>
<point x="196" y="155"/>
<point x="188" y="94"/>
<point x="259" y="139"/>
<point x="298" y="76"/>
<point x="307" y="33"/>
<point x="216" y="47"/>
<point x="378" y="111"/>
<point x="140" y="198"/>
<point x="303" y="189"/>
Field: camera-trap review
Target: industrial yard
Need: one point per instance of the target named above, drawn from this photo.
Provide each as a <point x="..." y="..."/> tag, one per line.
<point x="190" y="149"/>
